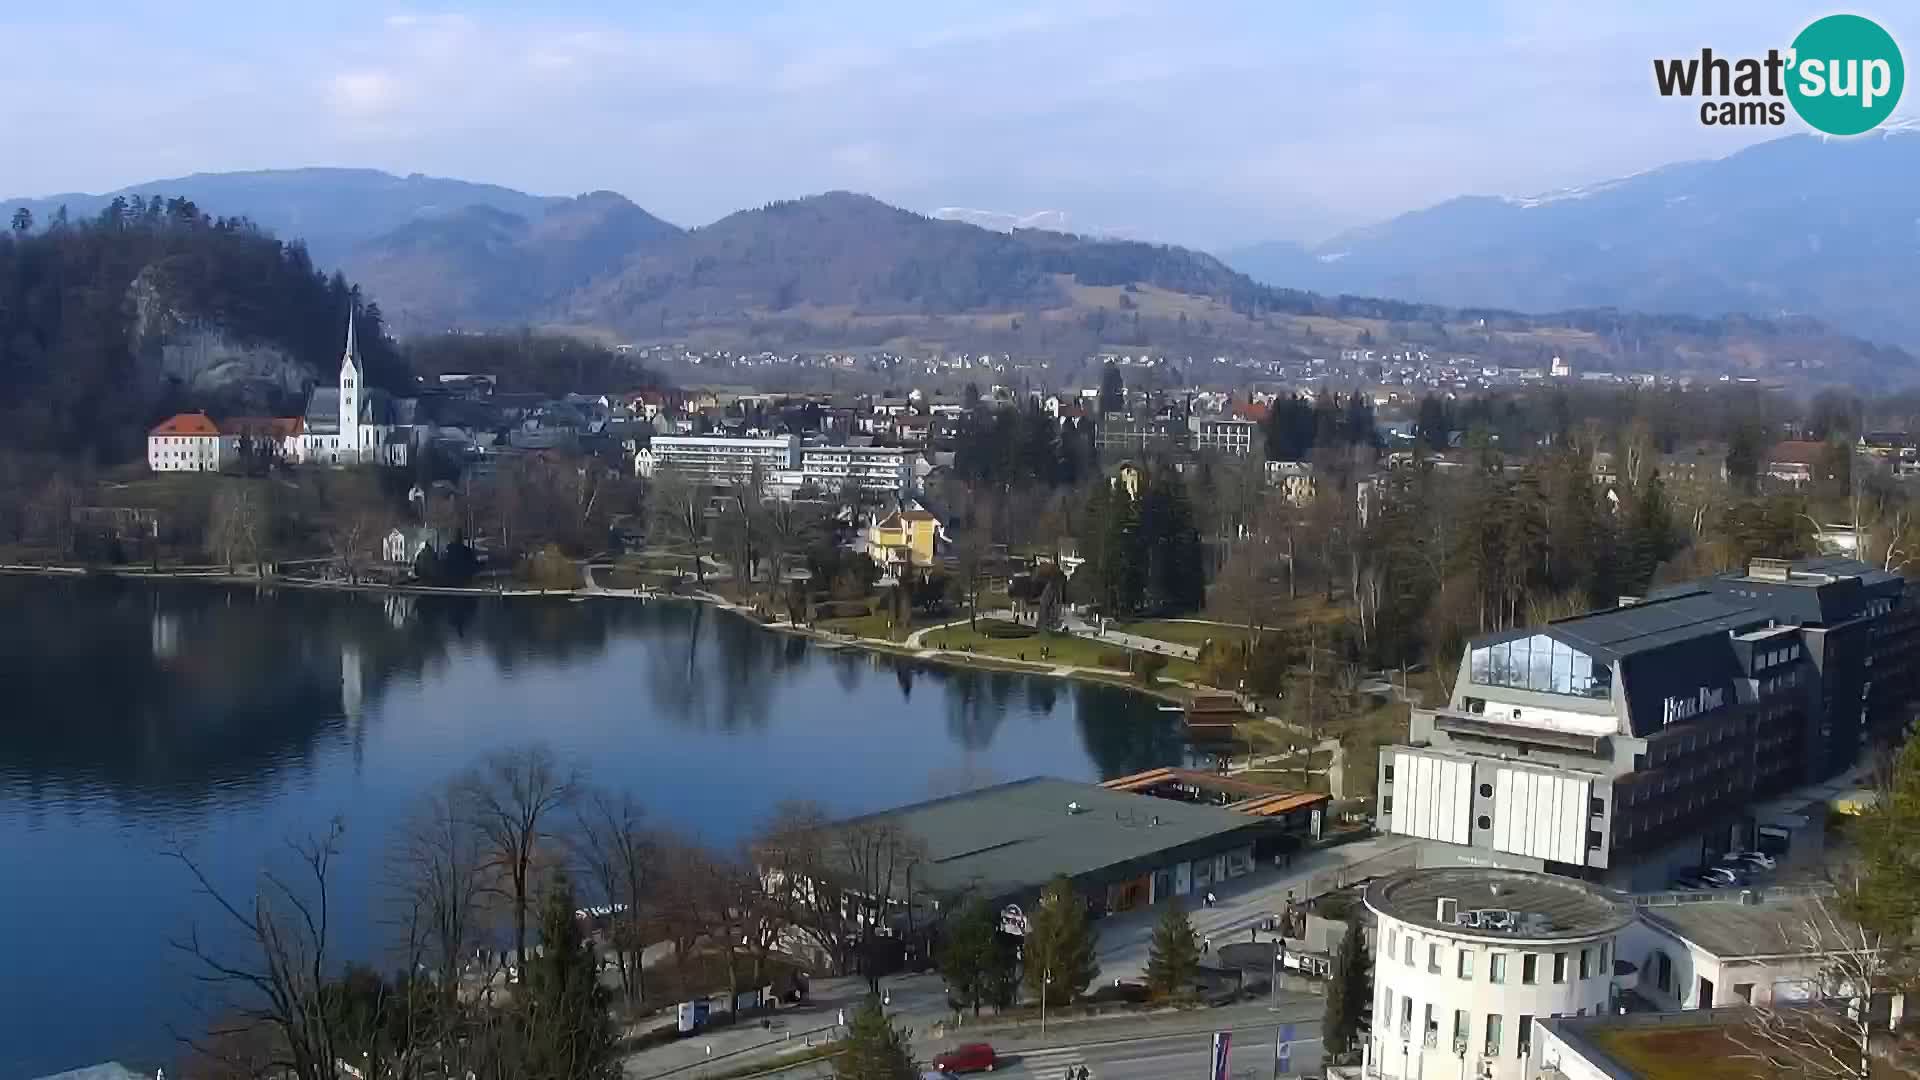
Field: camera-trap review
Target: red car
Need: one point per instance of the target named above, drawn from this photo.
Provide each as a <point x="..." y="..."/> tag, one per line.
<point x="973" y="1057"/>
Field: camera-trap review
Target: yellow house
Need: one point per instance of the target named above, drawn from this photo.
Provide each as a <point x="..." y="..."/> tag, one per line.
<point x="904" y="538"/>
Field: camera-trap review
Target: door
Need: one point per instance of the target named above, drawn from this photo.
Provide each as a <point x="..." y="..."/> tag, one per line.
<point x="1704" y="999"/>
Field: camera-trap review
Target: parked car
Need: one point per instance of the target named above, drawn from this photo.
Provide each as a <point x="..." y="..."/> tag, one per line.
<point x="1690" y="883"/>
<point x="973" y="1057"/>
<point x="1757" y="859"/>
<point x="1723" y="876"/>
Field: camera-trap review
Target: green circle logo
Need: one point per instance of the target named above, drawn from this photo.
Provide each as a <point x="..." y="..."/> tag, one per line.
<point x="1846" y="74"/>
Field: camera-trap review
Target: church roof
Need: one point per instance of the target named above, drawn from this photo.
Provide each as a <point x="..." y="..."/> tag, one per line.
<point x="323" y="411"/>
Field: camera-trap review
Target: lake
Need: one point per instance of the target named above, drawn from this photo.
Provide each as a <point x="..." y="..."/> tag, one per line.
<point x="142" y="718"/>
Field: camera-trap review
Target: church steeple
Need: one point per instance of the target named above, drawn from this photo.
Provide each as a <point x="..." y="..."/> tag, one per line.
<point x="350" y="395"/>
<point x="352" y="353"/>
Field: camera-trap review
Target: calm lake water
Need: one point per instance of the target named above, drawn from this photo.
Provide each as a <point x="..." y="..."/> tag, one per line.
<point x="138" y="718"/>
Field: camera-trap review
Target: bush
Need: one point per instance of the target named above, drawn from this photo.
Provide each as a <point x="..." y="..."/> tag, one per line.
<point x="1117" y="659"/>
<point x="1005" y="631"/>
<point x="550" y="569"/>
<point x="842" y="609"/>
<point x="1148" y="666"/>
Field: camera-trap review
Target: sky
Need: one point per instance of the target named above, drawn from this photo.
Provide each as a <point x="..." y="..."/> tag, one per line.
<point x="1209" y="124"/>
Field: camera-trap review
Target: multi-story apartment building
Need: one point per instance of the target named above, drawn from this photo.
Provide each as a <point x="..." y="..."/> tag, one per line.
<point x="1118" y="435"/>
<point x="714" y="458"/>
<point x="884" y="469"/>
<point x="1223" y="434"/>
<point x="1626" y="743"/>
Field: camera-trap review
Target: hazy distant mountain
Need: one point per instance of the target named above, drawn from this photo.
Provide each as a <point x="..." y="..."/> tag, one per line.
<point x="1800" y="225"/>
<point x="333" y="210"/>
<point x="843" y="270"/>
<point x="481" y="265"/>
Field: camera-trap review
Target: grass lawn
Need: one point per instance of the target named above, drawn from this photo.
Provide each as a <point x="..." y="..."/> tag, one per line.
<point x="872" y="625"/>
<point x="627" y="577"/>
<point x="1061" y="649"/>
<point x="1182" y="633"/>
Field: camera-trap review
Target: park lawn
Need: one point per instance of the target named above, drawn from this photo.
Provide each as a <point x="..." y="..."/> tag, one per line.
<point x="627" y="577"/>
<point x="1182" y="633"/>
<point x="1062" y="648"/>
<point x="871" y="625"/>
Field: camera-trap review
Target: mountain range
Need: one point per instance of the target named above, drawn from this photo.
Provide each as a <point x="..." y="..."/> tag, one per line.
<point x="1795" y="226"/>
<point x="1499" y="280"/>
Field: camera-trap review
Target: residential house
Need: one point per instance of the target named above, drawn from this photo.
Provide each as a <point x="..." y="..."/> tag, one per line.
<point x="404" y="545"/>
<point x="1751" y="948"/>
<point x="1294" y="479"/>
<point x="1794" y="461"/>
<point x="1223" y="434"/>
<point x="904" y="538"/>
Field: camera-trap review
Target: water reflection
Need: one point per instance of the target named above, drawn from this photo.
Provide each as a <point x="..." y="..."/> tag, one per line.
<point x="236" y="717"/>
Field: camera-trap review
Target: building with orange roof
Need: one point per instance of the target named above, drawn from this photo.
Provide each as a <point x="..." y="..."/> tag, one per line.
<point x="189" y="442"/>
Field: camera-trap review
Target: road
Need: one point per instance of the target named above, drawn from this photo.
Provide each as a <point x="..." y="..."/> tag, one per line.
<point x="1168" y="1057"/>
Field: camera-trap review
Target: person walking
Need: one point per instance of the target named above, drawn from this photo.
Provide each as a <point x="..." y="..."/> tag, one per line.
<point x="1206" y="945"/>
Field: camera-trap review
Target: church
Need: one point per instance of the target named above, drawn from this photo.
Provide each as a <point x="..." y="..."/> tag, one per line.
<point x="352" y="423"/>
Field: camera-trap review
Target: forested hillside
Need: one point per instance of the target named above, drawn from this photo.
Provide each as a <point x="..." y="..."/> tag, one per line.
<point x="79" y="342"/>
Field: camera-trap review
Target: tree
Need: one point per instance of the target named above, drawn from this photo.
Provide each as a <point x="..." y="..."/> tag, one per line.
<point x="565" y="1033"/>
<point x="1173" y="958"/>
<point x="1830" y="1035"/>
<point x="511" y="797"/>
<point x="619" y="854"/>
<point x="679" y="513"/>
<point x="238" y="525"/>
<point x="23" y="220"/>
<point x="1348" y="992"/>
<point x="1113" y="391"/>
<point x="440" y="880"/>
<point x="874" y="1049"/>
<point x="280" y="989"/>
<point x="1058" y="959"/>
<point x="876" y="859"/>
<point x="970" y="957"/>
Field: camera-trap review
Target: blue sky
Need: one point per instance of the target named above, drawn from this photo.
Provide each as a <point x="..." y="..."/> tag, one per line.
<point x="1211" y="124"/>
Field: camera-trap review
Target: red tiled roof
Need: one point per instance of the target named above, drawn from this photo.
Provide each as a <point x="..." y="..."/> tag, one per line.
<point x="273" y="427"/>
<point x="186" y="423"/>
<point x="1803" y="452"/>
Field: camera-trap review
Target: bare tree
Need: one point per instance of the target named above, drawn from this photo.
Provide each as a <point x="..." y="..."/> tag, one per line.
<point x="791" y="852"/>
<point x="281" y="988"/>
<point x="620" y="855"/>
<point x="512" y="797"/>
<point x="879" y="857"/>
<point x="352" y="540"/>
<point x="440" y="875"/>
<point x="238" y="526"/>
<point x="678" y="512"/>
<point x="1829" y="1035"/>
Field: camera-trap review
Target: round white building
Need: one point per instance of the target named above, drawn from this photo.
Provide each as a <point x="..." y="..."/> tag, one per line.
<point x="1467" y="958"/>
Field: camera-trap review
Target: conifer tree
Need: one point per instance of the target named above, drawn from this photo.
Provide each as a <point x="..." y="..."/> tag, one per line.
<point x="1059" y="948"/>
<point x="874" y="1049"/>
<point x="1173" y="957"/>
<point x="1348" y="992"/>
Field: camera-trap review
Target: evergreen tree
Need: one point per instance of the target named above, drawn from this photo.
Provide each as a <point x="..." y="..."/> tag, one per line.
<point x="1059" y="947"/>
<point x="1348" y="992"/>
<point x="1173" y="958"/>
<point x="1650" y="535"/>
<point x="970" y="957"/>
<point x="874" y="1049"/>
<point x="566" y="1031"/>
<point x="1113" y="391"/>
<point x="1886" y="896"/>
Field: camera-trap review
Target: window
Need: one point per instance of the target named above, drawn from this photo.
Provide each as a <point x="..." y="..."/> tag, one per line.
<point x="1466" y="964"/>
<point x="1386" y="804"/>
<point x="1430" y="1038"/>
<point x="1486" y="791"/>
<point x="1386" y="1003"/>
<point x="1386" y="772"/>
<point x="1408" y="941"/>
<point x="1462" y="1024"/>
<point x="1483" y="822"/>
<point x="1743" y="991"/>
<point x="1393" y="940"/>
<point x="1497" y="969"/>
<point x="1586" y="963"/>
<point x="1492" y="1048"/>
<point x="1529" y="968"/>
<point x="1525" y="1042"/>
<point x="1594" y="840"/>
<point x="1597" y="807"/>
<point x="1604" y="969"/>
<point x="1406" y="1017"/>
<point x="1433" y="959"/>
<point x="1663" y="972"/>
<point x="1559" y="976"/>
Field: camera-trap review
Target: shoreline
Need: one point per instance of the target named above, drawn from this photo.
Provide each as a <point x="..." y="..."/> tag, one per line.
<point x="825" y="638"/>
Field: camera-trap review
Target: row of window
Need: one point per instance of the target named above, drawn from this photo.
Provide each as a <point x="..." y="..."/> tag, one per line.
<point x="1492" y="1031"/>
<point x="1589" y="962"/>
<point x="1779" y="656"/>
